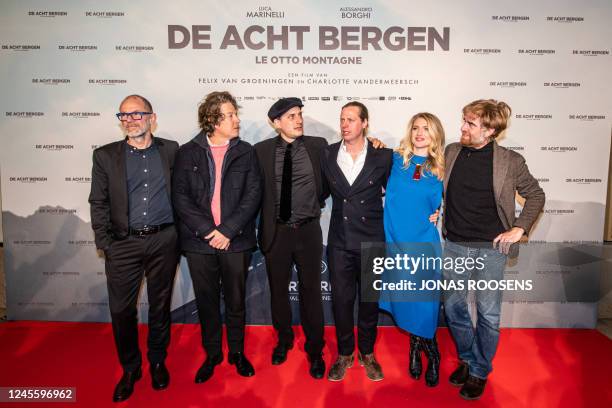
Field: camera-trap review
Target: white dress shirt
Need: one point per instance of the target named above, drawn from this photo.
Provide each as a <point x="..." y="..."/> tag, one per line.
<point x="350" y="168"/>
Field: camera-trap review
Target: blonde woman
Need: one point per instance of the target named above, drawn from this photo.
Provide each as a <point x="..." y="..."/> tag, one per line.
<point x="414" y="191"/>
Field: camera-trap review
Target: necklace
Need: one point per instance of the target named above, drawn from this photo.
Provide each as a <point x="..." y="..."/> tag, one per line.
<point x="417" y="172"/>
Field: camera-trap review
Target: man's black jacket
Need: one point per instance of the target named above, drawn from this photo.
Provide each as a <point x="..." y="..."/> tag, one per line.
<point x="192" y="191"/>
<point x="108" y="198"/>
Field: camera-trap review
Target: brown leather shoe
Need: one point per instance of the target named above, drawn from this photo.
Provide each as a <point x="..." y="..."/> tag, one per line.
<point x="460" y="375"/>
<point x="473" y="388"/>
<point x="372" y="368"/>
<point x="338" y="369"/>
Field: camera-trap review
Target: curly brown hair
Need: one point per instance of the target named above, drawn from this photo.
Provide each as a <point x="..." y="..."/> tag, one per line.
<point x="209" y="110"/>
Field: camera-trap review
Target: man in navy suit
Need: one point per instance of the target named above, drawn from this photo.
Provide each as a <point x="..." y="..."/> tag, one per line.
<point x="356" y="174"/>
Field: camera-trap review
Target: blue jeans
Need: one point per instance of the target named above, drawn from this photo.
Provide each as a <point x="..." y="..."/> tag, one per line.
<point x="475" y="346"/>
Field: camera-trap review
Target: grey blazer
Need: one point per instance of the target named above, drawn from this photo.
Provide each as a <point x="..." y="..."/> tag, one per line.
<point x="510" y="175"/>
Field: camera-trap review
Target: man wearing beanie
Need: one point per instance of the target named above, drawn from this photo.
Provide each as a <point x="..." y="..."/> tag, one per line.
<point x="289" y="229"/>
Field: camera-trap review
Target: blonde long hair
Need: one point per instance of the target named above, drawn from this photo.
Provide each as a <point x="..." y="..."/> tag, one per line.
<point x="435" y="151"/>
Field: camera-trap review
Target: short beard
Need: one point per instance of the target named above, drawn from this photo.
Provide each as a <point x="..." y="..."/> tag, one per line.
<point x="482" y="142"/>
<point x="137" y="136"/>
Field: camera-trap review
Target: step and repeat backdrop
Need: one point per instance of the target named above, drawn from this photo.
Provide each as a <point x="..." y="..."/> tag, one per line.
<point x="66" y="66"/>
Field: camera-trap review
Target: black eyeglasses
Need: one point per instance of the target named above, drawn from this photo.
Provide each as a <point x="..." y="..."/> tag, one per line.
<point x="123" y="116"/>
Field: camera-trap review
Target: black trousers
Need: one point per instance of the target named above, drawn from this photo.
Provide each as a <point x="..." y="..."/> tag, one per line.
<point x="212" y="274"/>
<point x="127" y="263"/>
<point x="304" y="247"/>
<point x="345" y="279"/>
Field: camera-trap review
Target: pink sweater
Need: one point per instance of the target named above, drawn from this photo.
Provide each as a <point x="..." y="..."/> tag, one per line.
<point x="218" y="153"/>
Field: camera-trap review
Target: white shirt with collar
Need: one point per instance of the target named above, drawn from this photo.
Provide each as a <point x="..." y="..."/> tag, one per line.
<point x="350" y="168"/>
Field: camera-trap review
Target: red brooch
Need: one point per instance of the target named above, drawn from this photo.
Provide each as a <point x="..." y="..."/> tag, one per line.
<point x="417" y="172"/>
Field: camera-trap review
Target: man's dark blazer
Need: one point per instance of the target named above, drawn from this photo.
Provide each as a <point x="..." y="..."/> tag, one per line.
<point x="266" y="154"/>
<point x="357" y="211"/>
<point x="193" y="188"/>
<point x="109" y="198"/>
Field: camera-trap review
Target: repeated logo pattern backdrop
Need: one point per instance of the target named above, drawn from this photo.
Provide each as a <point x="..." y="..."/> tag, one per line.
<point x="66" y="66"/>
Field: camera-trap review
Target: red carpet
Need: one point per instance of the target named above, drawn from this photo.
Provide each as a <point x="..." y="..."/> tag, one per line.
<point x="533" y="368"/>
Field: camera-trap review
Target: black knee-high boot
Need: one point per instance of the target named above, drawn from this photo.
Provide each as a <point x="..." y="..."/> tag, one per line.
<point x="432" y="375"/>
<point x="416" y="367"/>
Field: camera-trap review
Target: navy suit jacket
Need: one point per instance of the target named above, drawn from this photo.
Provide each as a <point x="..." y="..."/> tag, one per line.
<point x="357" y="211"/>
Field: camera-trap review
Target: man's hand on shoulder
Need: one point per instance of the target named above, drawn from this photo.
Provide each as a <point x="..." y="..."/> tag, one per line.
<point x="377" y="143"/>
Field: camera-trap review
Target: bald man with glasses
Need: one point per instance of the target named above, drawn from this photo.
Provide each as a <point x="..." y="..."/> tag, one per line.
<point x="133" y="223"/>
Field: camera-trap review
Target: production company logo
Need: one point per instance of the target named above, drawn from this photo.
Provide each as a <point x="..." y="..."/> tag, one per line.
<point x="325" y="285"/>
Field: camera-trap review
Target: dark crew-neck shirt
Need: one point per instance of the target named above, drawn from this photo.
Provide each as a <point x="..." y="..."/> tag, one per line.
<point x="147" y="197"/>
<point x="304" y="201"/>
<point x="471" y="211"/>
